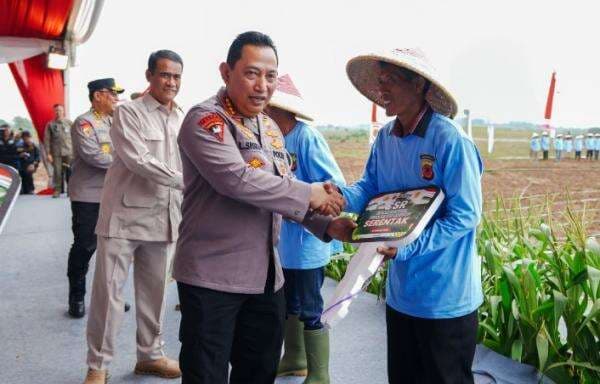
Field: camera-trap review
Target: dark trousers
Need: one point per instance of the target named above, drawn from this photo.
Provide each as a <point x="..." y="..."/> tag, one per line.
<point x="218" y="328"/>
<point x="85" y="216"/>
<point x="589" y="154"/>
<point x="578" y="155"/>
<point x="26" y="182"/>
<point x="423" y="351"/>
<point x="303" y="295"/>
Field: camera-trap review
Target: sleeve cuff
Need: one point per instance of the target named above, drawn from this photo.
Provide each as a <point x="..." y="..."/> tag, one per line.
<point x="317" y="225"/>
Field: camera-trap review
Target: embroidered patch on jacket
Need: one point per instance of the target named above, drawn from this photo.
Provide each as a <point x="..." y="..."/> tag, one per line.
<point x="214" y="124"/>
<point x="105" y="147"/>
<point x="427" y="167"/>
<point x="255" y="162"/>
<point x="293" y="162"/>
<point x="86" y="128"/>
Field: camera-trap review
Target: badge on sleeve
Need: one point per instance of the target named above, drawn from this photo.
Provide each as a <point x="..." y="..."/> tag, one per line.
<point x="105" y="148"/>
<point x="427" y="167"/>
<point x="214" y="124"/>
<point x="276" y="143"/>
<point x="86" y="128"/>
<point x="255" y="162"/>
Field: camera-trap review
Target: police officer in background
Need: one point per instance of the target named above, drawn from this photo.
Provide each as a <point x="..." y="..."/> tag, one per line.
<point x="238" y="184"/>
<point x="57" y="143"/>
<point x="92" y="155"/>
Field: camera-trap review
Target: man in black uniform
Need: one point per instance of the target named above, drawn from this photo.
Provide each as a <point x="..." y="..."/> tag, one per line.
<point x="29" y="154"/>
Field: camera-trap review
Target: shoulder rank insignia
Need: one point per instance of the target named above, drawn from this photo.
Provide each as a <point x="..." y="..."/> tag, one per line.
<point x="214" y="124"/>
<point x="276" y="143"/>
<point x="255" y="162"/>
<point x="86" y="128"/>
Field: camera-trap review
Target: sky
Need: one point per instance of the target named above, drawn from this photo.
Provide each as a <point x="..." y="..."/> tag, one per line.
<point x="497" y="57"/>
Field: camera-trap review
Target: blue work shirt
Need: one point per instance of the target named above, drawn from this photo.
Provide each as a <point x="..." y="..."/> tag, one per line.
<point x="558" y="144"/>
<point x="312" y="161"/>
<point x="439" y="274"/>
<point x="545" y="143"/>
<point x="535" y="144"/>
<point x="578" y="145"/>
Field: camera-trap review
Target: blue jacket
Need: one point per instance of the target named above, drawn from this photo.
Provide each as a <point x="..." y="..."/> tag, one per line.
<point x="439" y="274"/>
<point x="312" y="161"/>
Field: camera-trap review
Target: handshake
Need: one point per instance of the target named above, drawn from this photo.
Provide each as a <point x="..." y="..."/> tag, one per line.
<point x="326" y="200"/>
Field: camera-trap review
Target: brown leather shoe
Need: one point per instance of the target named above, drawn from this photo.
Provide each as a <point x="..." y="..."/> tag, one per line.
<point x="163" y="367"/>
<point x="96" y="377"/>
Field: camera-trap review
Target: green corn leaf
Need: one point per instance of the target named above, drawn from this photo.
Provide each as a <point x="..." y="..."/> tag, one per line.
<point x="595" y="311"/>
<point x="494" y="302"/>
<point x="513" y="280"/>
<point x="578" y="278"/>
<point x="515" y="309"/>
<point x="541" y="343"/>
<point x="535" y="275"/>
<point x="490" y="330"/>
<point x="593" y="246"/>
<point x="505" y="292"/>
<point x="560" y="302"/>
<point x="594" y="278"/>
<point x="516" y="351"/>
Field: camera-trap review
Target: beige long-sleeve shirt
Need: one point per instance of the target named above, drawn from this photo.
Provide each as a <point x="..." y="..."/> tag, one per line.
<point x="57" y="138"/>
<point x="141" y="198"/>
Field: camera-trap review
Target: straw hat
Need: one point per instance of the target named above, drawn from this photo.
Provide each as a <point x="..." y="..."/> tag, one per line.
<point x="534" y="135"/>
<point x="559" y="135"/>
<point x="545" y="133"/>
<point x="288" y="98"/>
<point x="363" y="71"/>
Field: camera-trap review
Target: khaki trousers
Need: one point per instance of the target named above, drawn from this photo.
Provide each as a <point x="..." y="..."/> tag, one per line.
<point x="151" y="264"/>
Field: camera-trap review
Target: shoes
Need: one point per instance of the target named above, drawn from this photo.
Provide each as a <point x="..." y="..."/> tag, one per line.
<point x="163" y="367"/>
<point x="76" y="308"/>
<point x="96" y="377"/>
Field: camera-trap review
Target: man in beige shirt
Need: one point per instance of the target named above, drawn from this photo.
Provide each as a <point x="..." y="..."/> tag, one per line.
<point x="57" y="144"/>
<point x="138" y="221"/>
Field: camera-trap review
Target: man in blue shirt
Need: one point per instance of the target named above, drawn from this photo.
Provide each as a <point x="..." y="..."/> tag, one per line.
<point x="303" y="255"/>
<point x="434" y="283"/>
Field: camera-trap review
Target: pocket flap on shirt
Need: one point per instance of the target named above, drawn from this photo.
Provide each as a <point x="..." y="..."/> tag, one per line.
<point x="131" y="200"/>
<point x="153" y="134"/>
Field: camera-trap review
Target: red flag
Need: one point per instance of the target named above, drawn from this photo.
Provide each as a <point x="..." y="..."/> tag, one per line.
<point x="548" y="114"/>
<point x="286" y="85"/>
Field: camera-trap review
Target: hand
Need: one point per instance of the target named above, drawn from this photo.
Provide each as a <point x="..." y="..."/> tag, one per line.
<point x="324" y="202"/>
<point x="341" y="228"/>
<point x="387" y="252"/>
<point x="49" y="158"/>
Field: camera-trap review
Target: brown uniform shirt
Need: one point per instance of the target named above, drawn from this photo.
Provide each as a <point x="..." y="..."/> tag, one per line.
<point x="141" y="198"/>
<point x="238" y="184"/>
<point x="92" y="155"/>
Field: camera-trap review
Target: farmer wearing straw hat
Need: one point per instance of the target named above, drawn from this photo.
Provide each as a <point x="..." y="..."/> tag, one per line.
<point x="578" y="144"/>
<point x="545" y="142"/>
<point x="589" y="146"/>
<point x="534" y="146"/>
<point x="434" y="283"/>
<point x="303" y="256"/>
<point x="558" y="146"/>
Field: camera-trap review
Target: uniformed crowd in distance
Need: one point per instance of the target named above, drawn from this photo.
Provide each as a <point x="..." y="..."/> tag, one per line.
<point x="18" y="150"/>
<point x="239" y="202"/>
<point x="565" y="146"/>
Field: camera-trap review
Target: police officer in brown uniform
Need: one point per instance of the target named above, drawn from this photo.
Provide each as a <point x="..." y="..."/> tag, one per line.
<point x="92" y="155"/>
<point x="140" y="211"/>
<point x="57" y="143"/>
<point x="238" y="184"/>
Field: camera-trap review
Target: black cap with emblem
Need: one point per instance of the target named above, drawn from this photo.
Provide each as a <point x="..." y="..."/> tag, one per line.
<point x="108" y="83"/>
